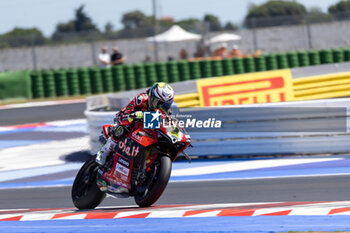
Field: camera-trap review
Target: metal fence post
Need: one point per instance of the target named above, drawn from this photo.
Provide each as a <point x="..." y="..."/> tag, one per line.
<point x="156" y="55"/>
<point x="93" y="52"/>
<point x="255" y="39"/>
<point x="33" y="53"/>
<point x="308" y="29"/>
<point x="206" y="31"/>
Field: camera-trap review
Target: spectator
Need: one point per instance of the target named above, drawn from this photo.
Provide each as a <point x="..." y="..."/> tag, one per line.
<point x="104" y="58"/>
<point x="183" y="54"/>
<point x="200" y="52"/>
<point x="258" y="53"/>
<point x="236" y="52"/>
<point x="147" y="59"/>
<point x="221" y="51"/>
<point x="117" y="58"/>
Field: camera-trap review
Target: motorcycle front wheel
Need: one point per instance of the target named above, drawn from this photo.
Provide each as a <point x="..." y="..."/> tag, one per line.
<point x="85" y="193"/>
<point x="157" y="180"/>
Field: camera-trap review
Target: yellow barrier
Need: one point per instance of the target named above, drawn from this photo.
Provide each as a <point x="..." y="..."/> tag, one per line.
<point x="322" y="86"/>
<point x="261" y="87"/>
<point x="187" y="100"/>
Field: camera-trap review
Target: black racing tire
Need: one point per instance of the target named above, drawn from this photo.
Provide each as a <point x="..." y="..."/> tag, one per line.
<point x="158" y="184"/>
<point x="85" y="193"/>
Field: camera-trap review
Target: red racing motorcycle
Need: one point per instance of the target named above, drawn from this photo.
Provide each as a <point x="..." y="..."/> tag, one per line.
<point x="140" y="165"/>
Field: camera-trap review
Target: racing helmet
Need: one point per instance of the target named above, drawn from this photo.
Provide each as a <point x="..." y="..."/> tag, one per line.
<point x="159" y="94"/>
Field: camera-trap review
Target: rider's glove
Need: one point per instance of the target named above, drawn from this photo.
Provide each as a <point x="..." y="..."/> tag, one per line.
<point x="136" y="115"/>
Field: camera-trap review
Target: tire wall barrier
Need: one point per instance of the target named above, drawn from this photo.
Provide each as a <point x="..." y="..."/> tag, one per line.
<point x="94" y="80"/>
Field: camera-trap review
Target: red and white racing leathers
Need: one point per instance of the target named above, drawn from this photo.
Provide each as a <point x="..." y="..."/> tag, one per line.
<point x="138" y="103"/>
<point x="122" y="124"/>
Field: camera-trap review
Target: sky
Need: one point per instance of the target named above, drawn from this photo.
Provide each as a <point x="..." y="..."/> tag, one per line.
<point x="45" y="14"/>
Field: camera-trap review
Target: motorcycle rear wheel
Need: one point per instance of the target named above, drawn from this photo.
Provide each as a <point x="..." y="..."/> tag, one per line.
<point x="85" y="193"/>
<point x="159" y="176"/>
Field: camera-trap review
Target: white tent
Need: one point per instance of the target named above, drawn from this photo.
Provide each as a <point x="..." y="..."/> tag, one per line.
<point x="175" y="33"/>
<point x="224" y="37"/>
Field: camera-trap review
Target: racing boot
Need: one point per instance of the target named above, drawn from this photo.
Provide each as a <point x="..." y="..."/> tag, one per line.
<point x="104" y="152"/>
<point x="117" y="133"/>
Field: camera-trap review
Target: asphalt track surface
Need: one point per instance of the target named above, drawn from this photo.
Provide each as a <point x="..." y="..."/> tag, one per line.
<point x="326" y="188"/>
<point x="322" y="188"/>
<point x="17" y="116"/>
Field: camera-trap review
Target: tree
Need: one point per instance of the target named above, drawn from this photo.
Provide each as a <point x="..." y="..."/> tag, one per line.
<point x="214" y="22"/>
<point x="166" y="22"/>
<point x="81" y="23"/>
<point x="65" y="27"/>
<point x="23" y="37"/>
<point x="109" y="27"/>
<point x="136" y="24"/>
<point x="109" y="33"/>
<point x="258" y="15"/>
<point x="316" y="15"/>
<point x="340" y="9"/>
<point x="136" y="19"/>
<point x="190" y="24"/>
<point x="231" y="27"/>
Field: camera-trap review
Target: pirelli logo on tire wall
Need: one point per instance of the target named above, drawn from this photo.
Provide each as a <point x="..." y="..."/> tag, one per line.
<point x="262" y="87"/>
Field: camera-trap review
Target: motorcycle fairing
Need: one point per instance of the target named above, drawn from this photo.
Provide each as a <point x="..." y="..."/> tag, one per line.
<point x="125" y="152"/>
<point x="144" y="138"/>
<point x="120" y="174"/>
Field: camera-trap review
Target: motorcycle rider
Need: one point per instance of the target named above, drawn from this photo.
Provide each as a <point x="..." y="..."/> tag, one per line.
<point x="158" y="96"/>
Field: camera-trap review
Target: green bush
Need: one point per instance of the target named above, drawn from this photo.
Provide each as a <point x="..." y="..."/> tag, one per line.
<point x="15" y="85"/>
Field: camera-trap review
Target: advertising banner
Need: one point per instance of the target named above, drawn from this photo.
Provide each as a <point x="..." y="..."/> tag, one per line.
<point x="261" y="87"/>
